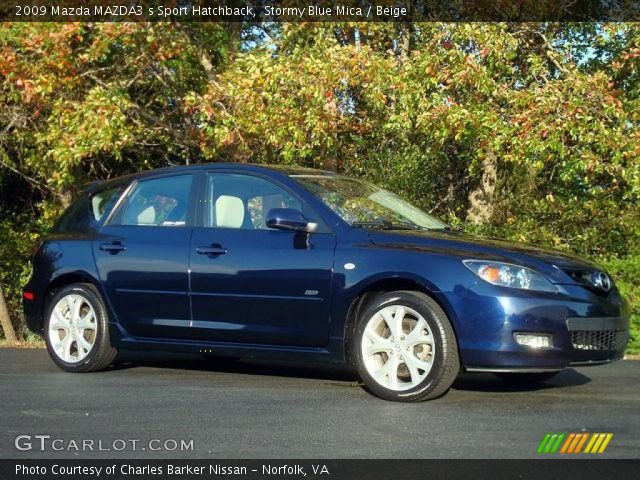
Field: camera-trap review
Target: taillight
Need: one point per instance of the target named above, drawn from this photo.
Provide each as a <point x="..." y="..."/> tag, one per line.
<point x="29" y="296"/>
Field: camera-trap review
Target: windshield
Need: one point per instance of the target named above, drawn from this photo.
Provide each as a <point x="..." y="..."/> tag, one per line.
<point x="362" y="204"/>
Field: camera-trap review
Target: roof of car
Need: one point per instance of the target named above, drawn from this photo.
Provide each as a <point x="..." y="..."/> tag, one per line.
<point x="250" y="167"/>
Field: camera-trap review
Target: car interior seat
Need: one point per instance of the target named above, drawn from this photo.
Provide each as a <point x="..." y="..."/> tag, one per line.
<point x="230" y="212"/>
<point x="147" y="216"/>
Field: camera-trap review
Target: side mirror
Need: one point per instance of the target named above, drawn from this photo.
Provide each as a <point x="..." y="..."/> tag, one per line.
<point x="288" y="219"/>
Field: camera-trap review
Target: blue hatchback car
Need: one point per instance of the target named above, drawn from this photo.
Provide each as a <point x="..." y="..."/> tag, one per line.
<point x="249" y="261"/>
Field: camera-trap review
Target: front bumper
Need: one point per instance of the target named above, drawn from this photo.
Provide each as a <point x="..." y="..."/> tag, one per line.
<point x="597" y="339"/>
<point x="585" y="328"/>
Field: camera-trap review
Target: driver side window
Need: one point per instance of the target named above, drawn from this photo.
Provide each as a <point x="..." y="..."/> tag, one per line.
<point x="243" y="201"/>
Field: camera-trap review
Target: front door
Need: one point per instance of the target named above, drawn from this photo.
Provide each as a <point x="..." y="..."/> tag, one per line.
<point x="251" y="284"/>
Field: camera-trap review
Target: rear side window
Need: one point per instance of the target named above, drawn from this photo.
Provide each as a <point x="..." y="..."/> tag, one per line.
<point x="160" y="202"/>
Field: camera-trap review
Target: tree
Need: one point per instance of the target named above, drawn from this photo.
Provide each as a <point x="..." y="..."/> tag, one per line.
<point x="526" y="131"/>
<point x="5" y="321"/>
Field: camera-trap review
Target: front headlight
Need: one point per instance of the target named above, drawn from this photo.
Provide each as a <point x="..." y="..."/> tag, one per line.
<point x="508" y="275"/>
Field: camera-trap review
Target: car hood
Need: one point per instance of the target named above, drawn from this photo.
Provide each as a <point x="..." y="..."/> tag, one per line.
<point x="552" y="263"/>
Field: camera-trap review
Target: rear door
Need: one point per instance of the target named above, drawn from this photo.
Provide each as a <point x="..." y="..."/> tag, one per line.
<point x="142" y="256"/>
<point x="252" y="284"/>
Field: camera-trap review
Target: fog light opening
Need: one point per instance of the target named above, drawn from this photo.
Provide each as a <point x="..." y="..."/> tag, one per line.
<point x="533" y="340"/>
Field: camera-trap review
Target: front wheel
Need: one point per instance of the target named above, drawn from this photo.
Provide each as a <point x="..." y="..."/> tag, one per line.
<point x="405" y="348"/>
<point x="77" y="329"/>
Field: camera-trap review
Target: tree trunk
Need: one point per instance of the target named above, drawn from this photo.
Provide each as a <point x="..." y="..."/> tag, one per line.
<point x="405" y="42"/>
<point x="234" y="40"/>
<point x="481" y="198"/>
<point x="5" y="321"/>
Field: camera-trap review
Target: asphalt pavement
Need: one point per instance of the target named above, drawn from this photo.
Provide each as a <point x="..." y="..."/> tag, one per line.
<point x="190" y="407"/>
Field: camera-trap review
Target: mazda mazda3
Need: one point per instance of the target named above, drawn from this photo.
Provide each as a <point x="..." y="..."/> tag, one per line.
<point x="287" y="263"/>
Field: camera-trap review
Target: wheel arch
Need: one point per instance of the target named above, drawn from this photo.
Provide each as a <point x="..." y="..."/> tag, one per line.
<point x="378" y="286"/>
<point x="63" y="280"/>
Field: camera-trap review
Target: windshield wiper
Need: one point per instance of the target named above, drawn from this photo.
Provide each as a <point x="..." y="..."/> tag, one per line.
<point x="387" y="225"/>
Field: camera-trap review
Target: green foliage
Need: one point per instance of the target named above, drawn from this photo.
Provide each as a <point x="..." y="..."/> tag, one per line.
<point x="626" y="272"/>
<point x="524" y="131"/>
<point x="15" y="247"/>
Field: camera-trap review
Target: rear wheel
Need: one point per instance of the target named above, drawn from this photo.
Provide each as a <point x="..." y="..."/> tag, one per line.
<point x="525" y="378"/>
<point x="77" y="329"/>
<point x="405" y="349"/>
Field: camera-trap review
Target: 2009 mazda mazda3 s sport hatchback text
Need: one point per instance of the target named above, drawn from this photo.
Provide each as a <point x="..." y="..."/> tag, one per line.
<point x="292" y="263"/>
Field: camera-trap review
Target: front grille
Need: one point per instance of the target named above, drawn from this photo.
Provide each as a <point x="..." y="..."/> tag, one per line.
<point x="587" y="278"/>
<point x="598" y="340"/>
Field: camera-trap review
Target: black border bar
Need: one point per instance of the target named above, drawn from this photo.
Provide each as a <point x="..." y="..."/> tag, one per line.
<point x="320" y="10"/>
<point x="200" y="469"/>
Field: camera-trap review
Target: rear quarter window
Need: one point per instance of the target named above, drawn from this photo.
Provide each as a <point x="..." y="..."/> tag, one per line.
<point x="76" y="217"/>
<point x="88" y="210"/>
<point x="103" y="202"/>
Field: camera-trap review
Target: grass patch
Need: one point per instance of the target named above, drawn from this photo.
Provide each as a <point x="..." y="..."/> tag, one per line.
<point x="31" y="342"/>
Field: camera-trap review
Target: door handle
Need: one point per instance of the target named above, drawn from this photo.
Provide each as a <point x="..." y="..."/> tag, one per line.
<point x="212" y="251"/>
<point x="113" y="248"/>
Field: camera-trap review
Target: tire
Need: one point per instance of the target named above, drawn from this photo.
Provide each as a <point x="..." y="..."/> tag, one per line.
<point x="81" y="343"/>
<point x="516" y="378"/>
<point x="419" y="366"/>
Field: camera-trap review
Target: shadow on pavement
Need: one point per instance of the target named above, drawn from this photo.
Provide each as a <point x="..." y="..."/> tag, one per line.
<point x="487" y="382"/>
<point x="134" y="359"/>
<point x="481" y="382"/>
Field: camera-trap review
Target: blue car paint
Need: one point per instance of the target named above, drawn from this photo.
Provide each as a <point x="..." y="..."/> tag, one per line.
<point x="289" y="295"/>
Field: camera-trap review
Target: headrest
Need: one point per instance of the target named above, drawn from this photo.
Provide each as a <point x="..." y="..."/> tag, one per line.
<point x="147" y="216"/>
<point x="229" y="211"/>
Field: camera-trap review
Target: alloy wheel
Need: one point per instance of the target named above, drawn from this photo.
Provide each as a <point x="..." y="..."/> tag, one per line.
<point x="398" y="347"/>
<point x="72" y="328"/>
